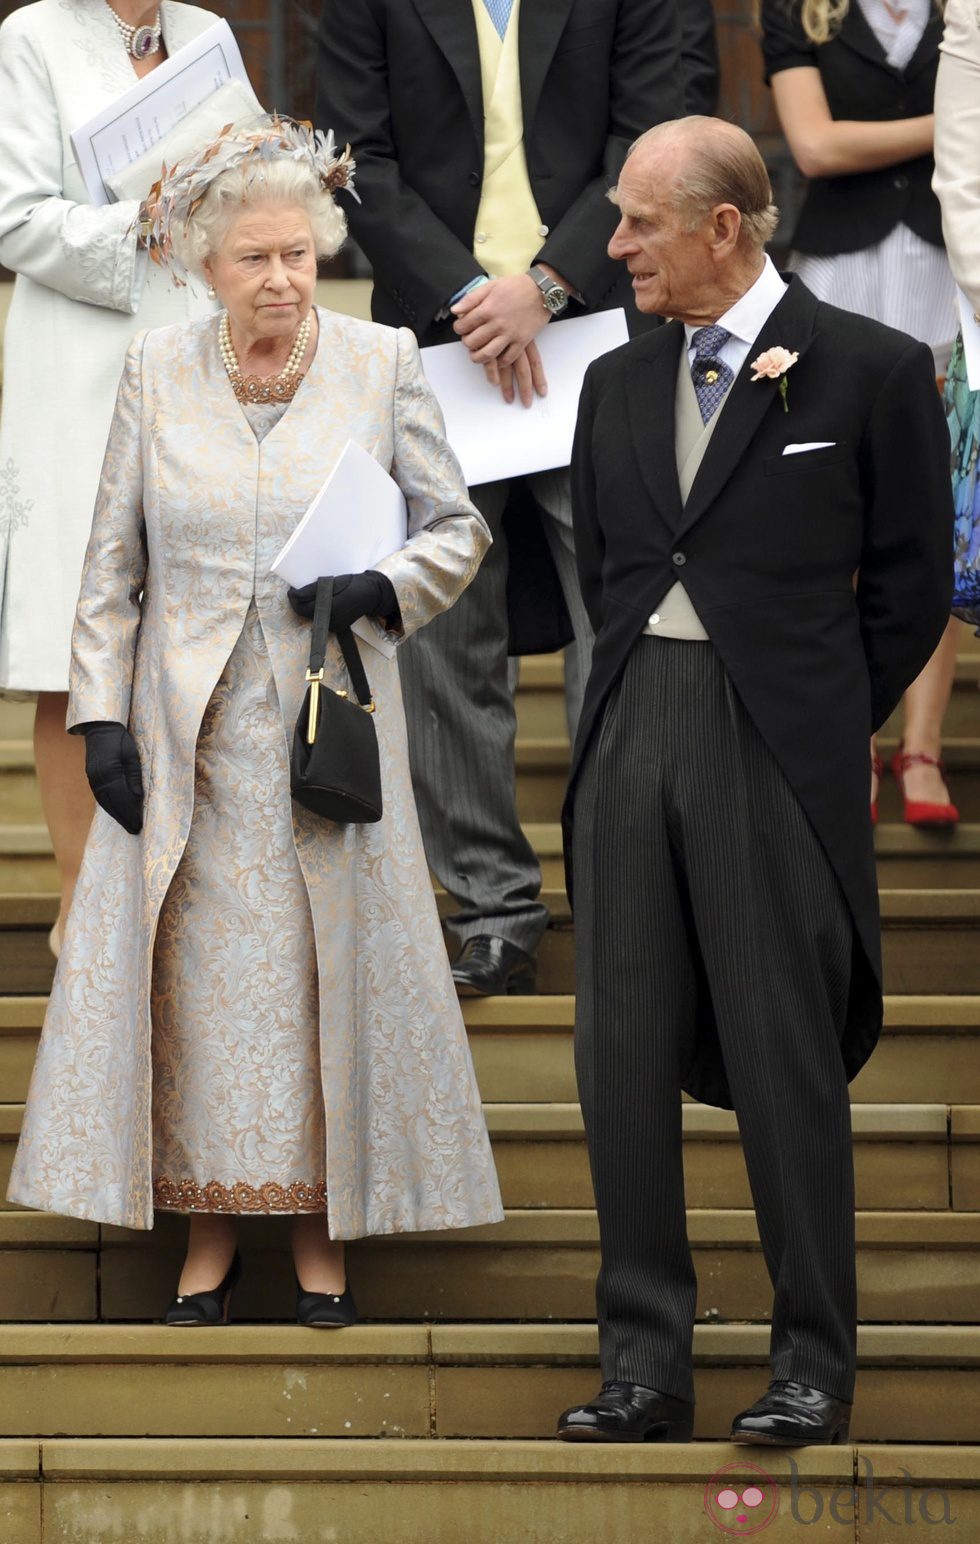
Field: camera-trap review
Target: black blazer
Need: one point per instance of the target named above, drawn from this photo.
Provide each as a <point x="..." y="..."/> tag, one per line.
<point x="846" y="214"/>
<point x="767" y="547"/>
<point x="400" y="80"/>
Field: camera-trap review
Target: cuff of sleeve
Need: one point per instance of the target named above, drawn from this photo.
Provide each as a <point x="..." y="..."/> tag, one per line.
<point x="129" y="278"/>
<point x="443" y="315"/>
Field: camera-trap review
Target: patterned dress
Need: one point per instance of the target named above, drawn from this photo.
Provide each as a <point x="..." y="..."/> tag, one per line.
<point x="963" y="416"/>
<point x="237" y="1111"/>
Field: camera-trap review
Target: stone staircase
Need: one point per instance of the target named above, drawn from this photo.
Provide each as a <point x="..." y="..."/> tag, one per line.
<point x="426" y="1421"/>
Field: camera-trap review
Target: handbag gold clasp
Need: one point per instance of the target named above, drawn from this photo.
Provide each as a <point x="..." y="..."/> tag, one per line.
<point x="315" y="679"/>
<point x="368" y="707"/>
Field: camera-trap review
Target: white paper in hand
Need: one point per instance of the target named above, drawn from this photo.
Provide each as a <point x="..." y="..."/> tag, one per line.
<point x="358" y="517"/>
<point x="493" y="438"/>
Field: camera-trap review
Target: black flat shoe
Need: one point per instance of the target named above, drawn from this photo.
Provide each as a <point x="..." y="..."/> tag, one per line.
<point x="793" y="1415"/>
<point x="628" y="1412"/>
<point x="492" y="967"/>
<point x="324" y="1310"/>
<point x="195" y="1308"/>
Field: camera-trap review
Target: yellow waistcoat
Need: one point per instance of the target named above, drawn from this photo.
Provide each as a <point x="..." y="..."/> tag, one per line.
<point x="509" y="232"/>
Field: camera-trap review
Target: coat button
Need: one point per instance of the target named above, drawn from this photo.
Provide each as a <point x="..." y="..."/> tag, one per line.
<point x="474" y="179"/>
<point x="481" y="237"/>
<point x="678" y="560"/>
<point x="655" y="619"/>
<point x="542" y="230"/>
<point x="900" y="182"/>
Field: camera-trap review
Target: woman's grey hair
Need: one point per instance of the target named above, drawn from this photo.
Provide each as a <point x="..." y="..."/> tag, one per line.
<point x="721" y="166"/>
<point x="258" y="182"/>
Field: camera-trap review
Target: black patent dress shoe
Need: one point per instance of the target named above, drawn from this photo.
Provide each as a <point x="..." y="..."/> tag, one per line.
<point x="793" y="1415"/>
<point x="197" y="1308"/>
<point x="325" y="1310"/>
<point x="491" y="967"/>
<point x="628" y="1412"/>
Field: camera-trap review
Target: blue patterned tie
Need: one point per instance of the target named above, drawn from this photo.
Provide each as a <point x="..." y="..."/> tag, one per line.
<point x="499" y="13"/>
<point x="710" y="374"/>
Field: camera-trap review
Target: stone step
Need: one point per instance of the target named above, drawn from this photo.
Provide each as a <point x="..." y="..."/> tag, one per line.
<point x="914" y="1267"/>
<point x="541" y="703"/>
<point x="921" y="1157"/>
<point x="907" y="858"/>
<point x="930" y="942"/>
<point x="446" y="1381"/>
<point x="427" y="1491"/>
<point x="522" y="1050"/>
<point x="542" y="775"/>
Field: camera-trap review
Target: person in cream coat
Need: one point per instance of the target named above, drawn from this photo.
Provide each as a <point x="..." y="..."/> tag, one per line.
<point x="84" y="286"/>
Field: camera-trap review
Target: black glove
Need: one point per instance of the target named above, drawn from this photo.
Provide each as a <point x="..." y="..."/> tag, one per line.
<point x="112" y="766"/>
<point x="354" y="596"/>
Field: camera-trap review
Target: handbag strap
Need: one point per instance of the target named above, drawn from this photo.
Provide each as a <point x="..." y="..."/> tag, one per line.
<point x="348" y="647"/>
<point x="320" y="633"/>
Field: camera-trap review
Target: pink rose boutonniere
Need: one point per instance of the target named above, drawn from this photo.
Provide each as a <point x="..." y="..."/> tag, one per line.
<point x="772" y="366"/>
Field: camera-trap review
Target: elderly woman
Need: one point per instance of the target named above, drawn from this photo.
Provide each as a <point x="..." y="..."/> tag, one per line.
<point x="253" y="1011"/>
<point x="84" y="286"/>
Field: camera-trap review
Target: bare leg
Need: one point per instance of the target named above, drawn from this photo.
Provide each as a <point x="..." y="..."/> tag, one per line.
<point x="65" y="795"/>
<point x="926" y="702"/>
<point x="210" y="1249"/>
<point x="318" y="1260"/>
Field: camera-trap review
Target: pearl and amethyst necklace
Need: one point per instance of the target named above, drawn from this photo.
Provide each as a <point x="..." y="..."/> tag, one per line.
<point x="141" y="42"/>
<point x="276" y="388"/>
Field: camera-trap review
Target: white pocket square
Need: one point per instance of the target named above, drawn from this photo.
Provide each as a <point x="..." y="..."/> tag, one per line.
<point x="794" y="450"/>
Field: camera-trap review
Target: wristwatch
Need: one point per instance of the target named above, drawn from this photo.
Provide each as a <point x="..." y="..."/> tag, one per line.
<point x="553" y="295"/>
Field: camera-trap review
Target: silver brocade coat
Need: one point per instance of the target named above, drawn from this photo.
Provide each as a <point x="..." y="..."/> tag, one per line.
<point x="191" y="512"/>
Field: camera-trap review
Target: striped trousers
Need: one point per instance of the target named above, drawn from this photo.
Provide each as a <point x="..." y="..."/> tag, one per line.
<point x="702" y="892"/>
<point x="462" y="727"/>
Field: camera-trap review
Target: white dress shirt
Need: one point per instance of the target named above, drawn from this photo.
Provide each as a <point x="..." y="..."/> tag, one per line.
<point x="676" y="617"/>
<point x="746" y="318"/>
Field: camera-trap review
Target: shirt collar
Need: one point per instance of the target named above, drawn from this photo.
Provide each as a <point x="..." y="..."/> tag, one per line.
<point x="747" y="317"/>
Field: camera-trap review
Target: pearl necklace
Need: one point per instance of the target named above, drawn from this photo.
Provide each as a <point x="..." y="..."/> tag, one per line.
<point x="141" y="42"/>
<point x="253" y="388"/>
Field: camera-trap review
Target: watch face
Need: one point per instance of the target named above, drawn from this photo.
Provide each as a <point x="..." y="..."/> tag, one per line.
<point x="556" y="300"/>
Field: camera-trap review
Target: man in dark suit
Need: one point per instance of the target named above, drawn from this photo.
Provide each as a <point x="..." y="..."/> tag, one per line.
<point x="763" y="523"/>
<point x="487" y="134"/>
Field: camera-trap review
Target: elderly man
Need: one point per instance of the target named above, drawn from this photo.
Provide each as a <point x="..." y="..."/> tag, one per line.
<point x="763" y="524"/>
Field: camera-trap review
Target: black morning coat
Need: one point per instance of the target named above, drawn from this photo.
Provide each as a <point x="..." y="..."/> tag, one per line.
<point x="768" y="547"/>
<point x="400" y="81"/>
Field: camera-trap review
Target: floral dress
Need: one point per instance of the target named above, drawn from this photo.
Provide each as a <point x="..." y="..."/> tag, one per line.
<point x="963" y="416"/>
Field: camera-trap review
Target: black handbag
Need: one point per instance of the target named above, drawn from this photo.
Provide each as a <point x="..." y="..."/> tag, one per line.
<point x="335" y="770"/>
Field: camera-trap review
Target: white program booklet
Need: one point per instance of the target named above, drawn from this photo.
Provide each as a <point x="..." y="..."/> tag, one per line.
<point x="358" y="517"/>
<point x="971" y="340"/>
<point x="141" y="119"/>
<point x="493" y="438"/>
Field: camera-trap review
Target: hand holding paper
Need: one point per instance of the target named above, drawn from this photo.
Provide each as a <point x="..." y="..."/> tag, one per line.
<point x="358" y="517"/>
<point x="494" y="438"/>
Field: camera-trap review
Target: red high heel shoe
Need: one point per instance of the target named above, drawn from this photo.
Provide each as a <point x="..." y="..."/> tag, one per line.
<point x="919" y="812"/>
<point x="878" y="771"/>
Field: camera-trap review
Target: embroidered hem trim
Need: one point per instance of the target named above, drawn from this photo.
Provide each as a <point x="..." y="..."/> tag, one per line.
<point x="186" y="1196"/>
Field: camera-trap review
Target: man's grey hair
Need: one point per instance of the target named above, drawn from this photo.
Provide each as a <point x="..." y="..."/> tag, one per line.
<point x="721" y="165"/>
